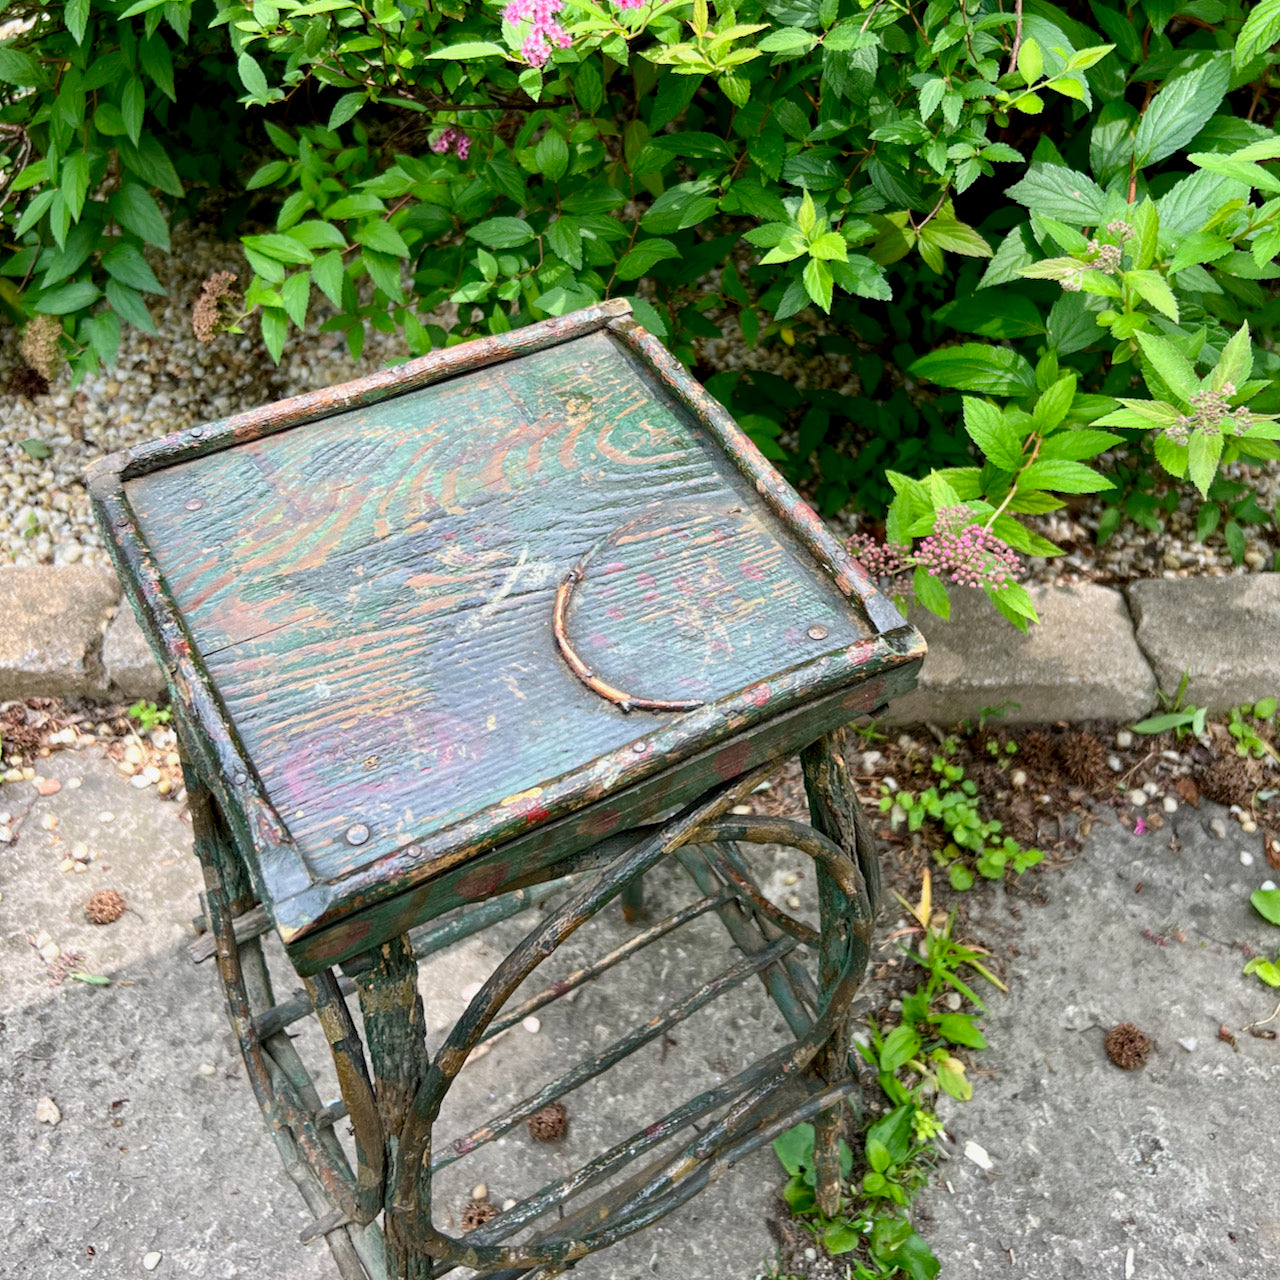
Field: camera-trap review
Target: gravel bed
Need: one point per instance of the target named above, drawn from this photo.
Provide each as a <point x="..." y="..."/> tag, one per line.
<point x="169" y="381"/>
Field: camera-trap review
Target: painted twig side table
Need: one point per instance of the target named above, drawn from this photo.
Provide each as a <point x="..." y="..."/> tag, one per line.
<point x="527" y="614"/>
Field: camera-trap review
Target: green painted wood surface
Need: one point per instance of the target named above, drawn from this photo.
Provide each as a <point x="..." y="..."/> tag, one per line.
<point x="372" y="593"/>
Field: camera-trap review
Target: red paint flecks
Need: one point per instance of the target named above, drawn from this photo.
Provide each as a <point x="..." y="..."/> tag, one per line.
<point x="732" y="761"/>
<point x="646" y="580"/>
<point x="614" y="614"/>
<point x="752" y="571"/>
<point x="481" y="882"/>
<point x="601" y="822"/>
<point x="759" y="694"/>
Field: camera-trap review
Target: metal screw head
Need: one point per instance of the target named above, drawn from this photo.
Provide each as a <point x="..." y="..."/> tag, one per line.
<point x="818" y="632"/>
<point x="194" y="504"/>
<point x="357" y="834"/>
<point x="196" y="432"/>
<point x="639" y="747"/>
<point x="239" y="777"/>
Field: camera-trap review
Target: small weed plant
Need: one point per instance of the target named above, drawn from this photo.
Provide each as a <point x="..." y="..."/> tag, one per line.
<point x="1266" y="902"/>
<point x="147" y="716"/>
<point x="913" y="1062"/>
<point x="972" y="845"/>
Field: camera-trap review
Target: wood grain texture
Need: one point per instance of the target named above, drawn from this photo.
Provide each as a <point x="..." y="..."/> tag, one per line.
<point x="372" y="593"/>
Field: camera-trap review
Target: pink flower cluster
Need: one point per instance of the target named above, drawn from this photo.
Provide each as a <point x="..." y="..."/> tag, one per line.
<point x="545" y="32"/>
<point x="629" y="4"/>
<point x="452" y="140"/>
<point x="882" y="560"/>
<point x="969" y="554"/>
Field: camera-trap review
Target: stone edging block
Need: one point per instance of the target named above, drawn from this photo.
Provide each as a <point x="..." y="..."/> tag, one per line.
<point x="51" y="625"/>
<point x="1081" y="663"/>
<point x="1224" y="632"/>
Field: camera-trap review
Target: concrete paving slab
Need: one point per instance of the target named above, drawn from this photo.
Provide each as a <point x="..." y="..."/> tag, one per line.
<point x="1221" y="631"/>
<point x="161" y="1147"/>
<point x="1080" y="663"/>
<point x="1175" y="1161"/>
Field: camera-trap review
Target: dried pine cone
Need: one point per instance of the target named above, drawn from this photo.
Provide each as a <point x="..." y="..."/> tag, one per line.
<point x="476" y="1214"/>
<point x="1126" y="1046"/>
<point x="29" y="382"/>
<point x="1036" y="753"/>
<point x="549" y="1124"/>
<point x="1228" y="780"/>
<point x="104" y="907"/>
<point x="1084" y="759"/>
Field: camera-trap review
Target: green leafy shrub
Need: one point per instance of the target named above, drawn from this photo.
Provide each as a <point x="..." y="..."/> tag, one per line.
<point x="1029" y="224"/>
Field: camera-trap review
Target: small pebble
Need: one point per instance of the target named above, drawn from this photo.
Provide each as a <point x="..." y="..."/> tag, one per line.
<point x="106" y="816"/>
<point x="207" y="1069"/>
<point x="741" y="809"/>
<point x="1124" y="739"/>
<point x="73" y="784"/>
<point x="140" y="780"/>
<point x="1113" y="763"/>
<point x="1267" y="885"/>
<point x="49" y="822"/>
<point x="952" y="1000"/>
<point x="1246" y="858"/>
<point x="1189" y="1044"/>
<point x="532" y="1025"/>
<point x="1170" y="805"/>
<point x="49" y="952"/>
<point x="1218" y="827"/>
<point x="479" y="1192"/>
<point x="811" y="1254"/>
<point x="48" y="786"/>
<point x="1248" y="826"/>
<point x="508" y="1204"/>
<point x="47" y="1111"/>
<point x="978" y="1155"/>
<point x="150" y="1261"/>
<point x="790" y="878"/>
<point x="793" y="902"/>
<point x="1137" y="797"/>
<point x="6" y="833"/>
<point x="1152" y="789"/>
<point x="1019" y="778"/>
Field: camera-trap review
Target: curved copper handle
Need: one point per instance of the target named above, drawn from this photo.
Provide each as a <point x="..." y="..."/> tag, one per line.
<point x="625" y="702"/>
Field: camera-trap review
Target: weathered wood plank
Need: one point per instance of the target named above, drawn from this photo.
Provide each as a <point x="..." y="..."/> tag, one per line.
<point x="372" y="593"/>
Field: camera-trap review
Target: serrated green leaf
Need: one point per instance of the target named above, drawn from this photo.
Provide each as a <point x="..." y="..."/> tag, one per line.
<point x="1203" y="452"/>
<point x="1060" y="193"/>
<point x="469" y="49"/>
<point x="1236" y="362"/>
<point x="1180" y="110"/>
<point x="1152" y="287"/>
<point x="126" y="264"/>
<point x="1062" y="476"/>
<point x="255" y="81"/>
<point x="382" y="236"/>
<point x="328" y="273"/>
<point x="992" y="433"/>
<point x="645" y="256"/>
<point x="818" y="283"/>
<point x="502" y="233"/>
<point x="295" y="293"/>
<point x="975" y="366"/>
<point x="1170" y="364"/>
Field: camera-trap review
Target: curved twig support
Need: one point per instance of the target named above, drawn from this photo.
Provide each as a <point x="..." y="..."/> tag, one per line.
<point x="625" y="702"/>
